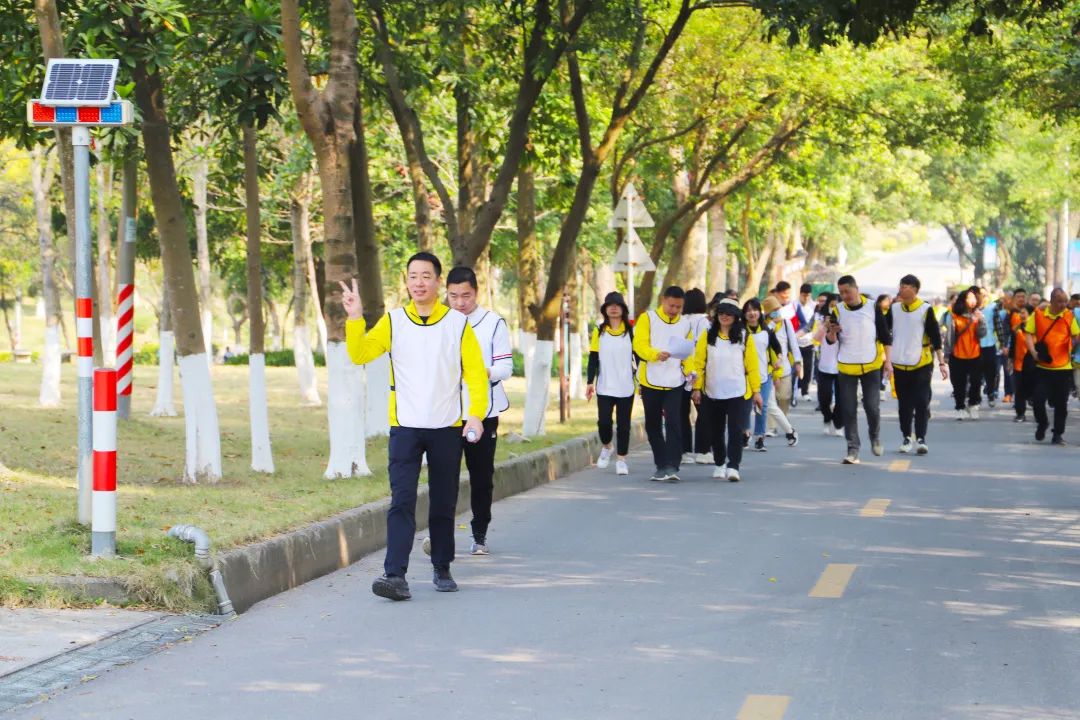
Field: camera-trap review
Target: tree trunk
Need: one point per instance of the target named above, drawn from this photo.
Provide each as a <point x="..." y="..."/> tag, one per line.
<point x="368" y="251"/>
<point x="329" y="119"/>
<point x="41" y="176"/>
<point x="305" y="364"/>
<point x="262" y="458"/>
<point x="199" y="180"/>
<point x="203" y="452"/>
<point x="717" y="273"/>
<point x="529" y="276"/>
<point x="163" y="403"/>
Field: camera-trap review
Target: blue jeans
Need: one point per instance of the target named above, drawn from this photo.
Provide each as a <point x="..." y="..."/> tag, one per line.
<point x="759" y="417"/>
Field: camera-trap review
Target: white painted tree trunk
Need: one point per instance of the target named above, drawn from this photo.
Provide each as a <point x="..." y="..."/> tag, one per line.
<point x="163" y="404"/>
<point x="320" y="328"/>
<point x="202" y="457"/>
<point x="50" y="369"/>
<point x="305" y="367"/>
<point x="538" y="389"/>
<point x="18" y="318"/>
<point x="39" y="309"/>
<point x="527" y="344"/>
<point x="577" y="388"/>
<point x="345" y="415"/>
<point x="262" y="457"/>
<point x="377" y="391"/>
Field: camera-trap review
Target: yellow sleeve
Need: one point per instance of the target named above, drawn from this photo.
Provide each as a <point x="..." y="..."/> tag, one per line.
<point x="363" y="346"/>
<point x="594" y="343"/>
<point x="700" y="354"/>
<point x="474" y="373"/>
<point x="641" y="339"/>
<point x="753" y="369"/>
<point x="1074" y="327"/>
<point x="1029" y="326"/>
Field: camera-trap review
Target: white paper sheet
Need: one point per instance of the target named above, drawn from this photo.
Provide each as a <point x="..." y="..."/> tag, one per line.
<point x="680" y="348"/>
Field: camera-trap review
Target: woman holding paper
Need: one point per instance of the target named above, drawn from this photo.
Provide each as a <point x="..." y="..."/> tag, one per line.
<point x="727" y="379"/>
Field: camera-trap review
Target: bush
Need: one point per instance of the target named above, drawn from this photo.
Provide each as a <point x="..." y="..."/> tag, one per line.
<point x="519" y="363"/>
<point x="7" y="356"/>
<point x="146" y="355"/>
<point x="277" y="358"/>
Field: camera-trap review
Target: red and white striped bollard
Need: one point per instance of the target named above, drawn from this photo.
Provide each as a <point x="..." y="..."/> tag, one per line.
<point x="124" y="335"/>
<point x="103" y="530"/>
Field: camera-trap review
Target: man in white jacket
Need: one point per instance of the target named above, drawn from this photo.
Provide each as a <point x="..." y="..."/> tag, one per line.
<point x="494" y="338"/>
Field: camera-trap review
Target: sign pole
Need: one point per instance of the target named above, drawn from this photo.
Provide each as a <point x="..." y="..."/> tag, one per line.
<point x="84" y="321"/>
<point x="630" y="265"/>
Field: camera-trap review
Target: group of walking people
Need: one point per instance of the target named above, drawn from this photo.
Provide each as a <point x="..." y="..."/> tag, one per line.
<point x="741" y="366"/>
<point x="731" y="361"/>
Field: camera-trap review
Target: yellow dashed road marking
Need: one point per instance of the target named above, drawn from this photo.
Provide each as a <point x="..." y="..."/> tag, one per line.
<point x="875" y="508"/>
<point x="833" y="581"/>
<point x="764" y="707"/>
<point x="899" y="465"/>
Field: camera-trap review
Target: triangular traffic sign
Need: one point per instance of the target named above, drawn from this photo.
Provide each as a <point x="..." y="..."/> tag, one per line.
<point x="630" y="207"/>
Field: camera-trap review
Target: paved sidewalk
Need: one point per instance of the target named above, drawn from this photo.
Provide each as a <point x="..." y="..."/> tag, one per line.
<point x="921" y="588"/>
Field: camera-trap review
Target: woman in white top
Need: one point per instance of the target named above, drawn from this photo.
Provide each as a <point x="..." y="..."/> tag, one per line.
<point x="696" y="436"/>
<point x="769" y="366"/>
<point x="726" y="380"/>
<point x="828" y="371"/>
<point x="611" y="380"/>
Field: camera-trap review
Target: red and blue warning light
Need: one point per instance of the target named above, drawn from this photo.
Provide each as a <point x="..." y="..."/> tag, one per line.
<point x="116" y="113"/>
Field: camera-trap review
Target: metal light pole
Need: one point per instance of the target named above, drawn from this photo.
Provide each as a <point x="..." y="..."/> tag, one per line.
<point x="84" y="321"/>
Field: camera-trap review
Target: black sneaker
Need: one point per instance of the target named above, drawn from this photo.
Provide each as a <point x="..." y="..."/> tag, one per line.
<point x="1058" y="440"/>
<point x="443" y="581"/>
<point x="658" y="476"/>
<point x="792" y="438"/>
<point x="745" y="441"/>
<point x="391" y="587"/>
<point x="1019" y="419"/>
<point x="759" y="444"/>
<point x="1040" y="433"/>
<point x="671" y="475"/>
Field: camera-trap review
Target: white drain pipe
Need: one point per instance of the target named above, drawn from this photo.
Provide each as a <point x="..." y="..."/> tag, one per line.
<point x="201" y="540"/>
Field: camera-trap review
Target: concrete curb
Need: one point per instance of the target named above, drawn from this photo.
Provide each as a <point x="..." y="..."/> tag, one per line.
<point x="264" y="569"/>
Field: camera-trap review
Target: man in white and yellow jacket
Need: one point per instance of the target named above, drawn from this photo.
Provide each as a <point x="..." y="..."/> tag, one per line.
<point x="916" y="342"/>
<point x="433" y="350"/>
<point x="661" y="378"/>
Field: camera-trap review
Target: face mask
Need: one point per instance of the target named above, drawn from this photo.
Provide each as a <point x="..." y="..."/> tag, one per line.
<point x="774" y="315"/>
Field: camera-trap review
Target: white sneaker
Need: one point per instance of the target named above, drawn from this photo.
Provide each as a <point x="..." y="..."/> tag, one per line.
<point x="851" y="459"/>
<point x="703" y="458"/>
<point x="426" y="545"/>
<point x="688" y="458"/>
<point x="733" y="475"/>
<point x="620" y="468"/>
<point x="770" y="433"/>
<point x="804" y="398"/>
<point x="920" y="447"/>
<point x="973" y="412"/>
<point x="605" y="458"/>
<point x="962" y="415"/>
<point x="906" y="446"/>
<point x="479" y="549"/>
<point x="720" y="472"/>
<point x="828" y="428"/>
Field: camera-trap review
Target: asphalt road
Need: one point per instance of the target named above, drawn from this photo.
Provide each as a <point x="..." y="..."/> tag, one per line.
<point x="943" y="586"/>
<point x="934" y="262"/>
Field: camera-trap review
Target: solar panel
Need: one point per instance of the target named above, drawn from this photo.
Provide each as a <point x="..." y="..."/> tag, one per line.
<point x="70" y="82"/>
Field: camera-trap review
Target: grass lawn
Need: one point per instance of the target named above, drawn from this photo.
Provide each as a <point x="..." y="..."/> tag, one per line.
<point x="38" y="532"/>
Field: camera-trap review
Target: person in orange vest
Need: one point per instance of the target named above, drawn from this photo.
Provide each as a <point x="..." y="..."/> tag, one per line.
<point x="1023" y="364"/>
<point x="966" y="325"/>
<point x="1051" y="334"/>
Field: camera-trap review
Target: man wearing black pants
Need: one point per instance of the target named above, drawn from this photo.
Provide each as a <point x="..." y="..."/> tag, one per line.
<point x="662" y="376"/>
<point x="433" y="349"/>
<point x="494" y="338"/>
<point x="916" y="338"/>
<point x="1051" y="334"/>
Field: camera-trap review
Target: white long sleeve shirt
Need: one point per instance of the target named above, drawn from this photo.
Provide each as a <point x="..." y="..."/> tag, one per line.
<point x="494" y="338"/>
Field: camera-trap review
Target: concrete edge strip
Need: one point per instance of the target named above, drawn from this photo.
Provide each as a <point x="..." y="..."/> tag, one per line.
<point x="39" y="681"/>
<point x="261" y="570"/>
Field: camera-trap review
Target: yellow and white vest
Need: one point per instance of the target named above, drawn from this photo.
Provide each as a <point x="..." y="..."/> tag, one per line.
<point x="425" y="362"/>
<point x="725" y="370"/>
<point x="616" y="375"/>
<point x="909" y="345"/>
<point x="858" y="336"/>
<point x="667" y="374"/>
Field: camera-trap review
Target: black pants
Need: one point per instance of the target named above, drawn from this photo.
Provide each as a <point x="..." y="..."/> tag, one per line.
<point x="913" y="397"/>
<point x="1005" y="365"/>
<point x="966" y="377"/>
<point x="407" y="446"/>
<point x="727" y="420"/>
<point x="1052" y="386"/>
<point x="828" y="398"/>
<point x="988" y="356"/>
<point x="849" y="406"/>
<point x="1023" y="390"/>
<point x="807" y="369"/>
<point x="663" y="425"/>
<point x="480" y="460"/>
<point x="623" y="407"/>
